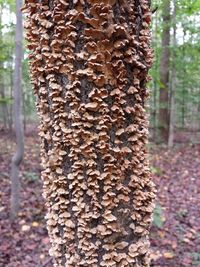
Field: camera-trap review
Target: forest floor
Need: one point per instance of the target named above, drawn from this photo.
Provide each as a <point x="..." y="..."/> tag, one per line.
<point x="175" y="233"/>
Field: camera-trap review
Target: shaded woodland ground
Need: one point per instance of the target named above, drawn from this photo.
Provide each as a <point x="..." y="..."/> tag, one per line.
<point x="175" y="235"/>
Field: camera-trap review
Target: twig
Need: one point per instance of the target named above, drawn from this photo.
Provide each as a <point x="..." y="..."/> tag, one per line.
<point x="46" y="262"/>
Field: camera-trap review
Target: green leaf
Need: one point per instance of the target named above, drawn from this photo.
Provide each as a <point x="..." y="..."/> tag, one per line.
<point x="158" y="217"/>
<point x="31" y="176"/>
<point x="6" y="100"/>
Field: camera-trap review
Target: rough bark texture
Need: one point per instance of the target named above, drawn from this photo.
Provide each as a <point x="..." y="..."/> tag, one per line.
<point x="17" y="113"/>
<point x="89" y="65"/>
<point x="164" y="74"/>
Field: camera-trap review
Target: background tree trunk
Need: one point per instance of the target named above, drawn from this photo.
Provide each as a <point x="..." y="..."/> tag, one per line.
<point x="89" y="65"/>
<point x="3" y="105"/>
<point x="164" y="74"/>
<point x="173" y="85"/>
<point x="10" y="111"/>
<point x="183" y="100"/>
<point x="156" y="66"/>
<point x="17" y="108"/>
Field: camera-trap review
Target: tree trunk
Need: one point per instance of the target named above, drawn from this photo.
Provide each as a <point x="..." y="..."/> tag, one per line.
<point x="3" y="105"/>
<point x="10" y="111"/>
<point x="156" y="67"/>
<point x="173" y="85"/>
<point x="164" y="74"/>
<point x="89" y="65"/>
<point x="17" y="108"/>
<point x="183" y="100"/>
<point x="24" y="111"/>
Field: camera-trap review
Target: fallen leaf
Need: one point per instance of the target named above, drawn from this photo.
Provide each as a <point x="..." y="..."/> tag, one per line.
<point x="42" y="256"/>
<point x="25" y="228"/>
<point x="35" y="224"/>
<point x="168" y="255"/>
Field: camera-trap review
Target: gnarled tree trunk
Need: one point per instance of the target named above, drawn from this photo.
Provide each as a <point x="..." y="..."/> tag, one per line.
<point x="89" y="65"/>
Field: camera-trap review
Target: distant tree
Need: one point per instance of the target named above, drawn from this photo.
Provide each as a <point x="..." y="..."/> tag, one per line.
<point x="164" y="73"/>
<point x="173" y="83"/>
<point x="3" y="100"/>
<point x="17" y="113"/>
<point x="89" y="65"/>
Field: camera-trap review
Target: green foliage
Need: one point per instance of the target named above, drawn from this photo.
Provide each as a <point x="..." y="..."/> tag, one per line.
<point x="196" y="258"/>
<point x="10" y="4"/>
<point x="156" y="170"/>
<point x="7" y="46"/>
<point x="31" y="176"/>
<point x="158" y="217"/>
<point x="6" y="100"/>
<point x="187" y="93"/>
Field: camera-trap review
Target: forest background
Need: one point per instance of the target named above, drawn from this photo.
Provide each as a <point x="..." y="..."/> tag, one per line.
<point x="174" y="114"/>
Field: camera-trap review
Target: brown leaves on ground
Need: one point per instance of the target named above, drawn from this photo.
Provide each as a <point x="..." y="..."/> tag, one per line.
<point x="177" y="176"/>
<point x="25" y="242"/>
<point x="174" y="244"/>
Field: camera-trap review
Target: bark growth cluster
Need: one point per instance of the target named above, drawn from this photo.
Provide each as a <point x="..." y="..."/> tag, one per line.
<point x="89" y="62"/>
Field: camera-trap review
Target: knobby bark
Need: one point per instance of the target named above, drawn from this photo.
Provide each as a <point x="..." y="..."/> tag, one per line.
<point x="17" y="113"/>
<point x="173" y="84"/>
<point x="89" y="65"/>
<point x="164" y="74"/>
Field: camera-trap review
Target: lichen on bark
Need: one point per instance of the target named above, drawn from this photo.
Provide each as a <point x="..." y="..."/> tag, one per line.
<point x="89" y="64"/>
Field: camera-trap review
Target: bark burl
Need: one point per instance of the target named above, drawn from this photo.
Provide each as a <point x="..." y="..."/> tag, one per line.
<point x="89" y="63"/>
